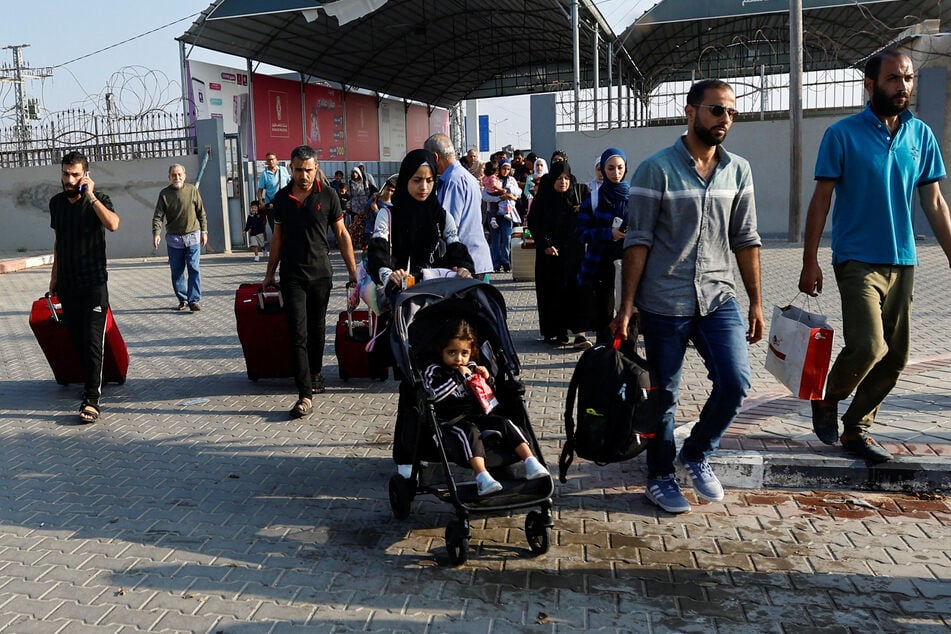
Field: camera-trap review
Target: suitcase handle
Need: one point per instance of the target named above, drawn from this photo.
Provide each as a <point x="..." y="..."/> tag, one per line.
<point x="264" y="296"/>
<point x="49" y="302"/>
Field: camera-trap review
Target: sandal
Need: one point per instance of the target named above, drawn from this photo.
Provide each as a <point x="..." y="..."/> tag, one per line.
<point x="88" y="413"/>
<point x="301" y="408"/>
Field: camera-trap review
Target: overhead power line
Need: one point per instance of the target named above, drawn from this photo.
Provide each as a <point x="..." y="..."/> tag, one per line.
<point x="126" y="41"/>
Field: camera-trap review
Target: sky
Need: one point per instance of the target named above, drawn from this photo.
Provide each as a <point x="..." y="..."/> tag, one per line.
<point x="93" y="47"/>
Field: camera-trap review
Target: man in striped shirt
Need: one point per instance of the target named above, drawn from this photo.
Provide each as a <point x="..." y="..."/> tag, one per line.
<point x="690" y="206"/>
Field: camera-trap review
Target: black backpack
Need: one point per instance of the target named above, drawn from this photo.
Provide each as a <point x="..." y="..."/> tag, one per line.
<point x="617" y="414"/>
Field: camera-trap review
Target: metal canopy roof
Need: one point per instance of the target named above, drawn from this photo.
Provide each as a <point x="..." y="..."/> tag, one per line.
<point x="438" y="52"/>
<point x="680" y="40"/>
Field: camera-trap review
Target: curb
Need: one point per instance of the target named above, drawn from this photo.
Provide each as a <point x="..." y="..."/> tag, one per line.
<point x="11" y="266"/>
<point x="756" y="470"/>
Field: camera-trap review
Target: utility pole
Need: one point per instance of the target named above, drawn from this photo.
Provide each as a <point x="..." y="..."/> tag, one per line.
<point x="18" y="73"/>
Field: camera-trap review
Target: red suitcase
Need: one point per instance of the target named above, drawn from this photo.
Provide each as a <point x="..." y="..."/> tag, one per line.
<point x="262" y="330"/>
<point x="53" y="336"/>
<point x="354" y="330"/>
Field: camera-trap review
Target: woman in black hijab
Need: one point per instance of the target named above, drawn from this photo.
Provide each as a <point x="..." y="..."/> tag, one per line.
<point x="558" y="252"/>
<point x="417" y="232"/>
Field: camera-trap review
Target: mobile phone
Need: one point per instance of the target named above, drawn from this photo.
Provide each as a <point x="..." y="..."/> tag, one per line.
<point x="82" y="188"/>
<point x="617" y="223"/>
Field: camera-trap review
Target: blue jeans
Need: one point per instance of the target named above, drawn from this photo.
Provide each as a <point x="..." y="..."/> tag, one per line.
<point x="179" y="260"/>
<point x="720" y="339"/>
<point x="501" y="243"/>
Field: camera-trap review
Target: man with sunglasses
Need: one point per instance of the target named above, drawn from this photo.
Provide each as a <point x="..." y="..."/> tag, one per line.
<point x="874" y="161"/>
<point x="690" y="206"/>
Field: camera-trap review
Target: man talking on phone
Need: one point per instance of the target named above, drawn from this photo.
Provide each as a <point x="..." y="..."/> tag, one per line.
<point x="79" y="216"/>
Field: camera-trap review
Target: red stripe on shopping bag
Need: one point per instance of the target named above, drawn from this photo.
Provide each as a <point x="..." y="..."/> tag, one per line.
<point x="815" y="367"/>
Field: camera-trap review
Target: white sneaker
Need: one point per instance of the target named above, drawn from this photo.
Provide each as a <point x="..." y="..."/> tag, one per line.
<point x="486" y="484"/>
<point x="405" y="470"/>
<point x="257" y="258"/>
<point x="534" y="469"/>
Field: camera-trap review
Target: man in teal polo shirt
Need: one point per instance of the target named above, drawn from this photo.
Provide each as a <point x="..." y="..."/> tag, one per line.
<point x="873" y="161"/>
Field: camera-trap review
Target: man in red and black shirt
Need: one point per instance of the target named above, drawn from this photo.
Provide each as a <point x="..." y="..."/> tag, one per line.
<point x="79" y="216"/>
<point x="303" y="212"/>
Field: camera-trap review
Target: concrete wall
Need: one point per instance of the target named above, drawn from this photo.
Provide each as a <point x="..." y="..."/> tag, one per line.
<point x="765" y="144"/>
<point x="133" y="187"/>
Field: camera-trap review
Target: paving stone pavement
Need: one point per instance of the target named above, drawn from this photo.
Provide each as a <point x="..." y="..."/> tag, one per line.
<point x="195" y="505"/>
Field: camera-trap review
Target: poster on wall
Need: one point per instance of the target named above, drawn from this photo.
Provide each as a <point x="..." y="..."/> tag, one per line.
<point x="363" y="130"/>
<point x="439" y="121"/>
<point x="392" y="130"/>
<point x="326" y="132"/>
<point x="217" y="92"/>
<point x="417" y="126"/>
<point x="277" y="116"/>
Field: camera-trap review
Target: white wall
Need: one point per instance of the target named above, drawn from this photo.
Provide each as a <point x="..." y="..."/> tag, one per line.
<point x="765" y="144"/>
<point x="133" y="187"/>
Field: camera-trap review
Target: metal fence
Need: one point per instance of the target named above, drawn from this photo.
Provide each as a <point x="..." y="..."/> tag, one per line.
<point x="100" y="137"/>
<point x="763" y="96"/>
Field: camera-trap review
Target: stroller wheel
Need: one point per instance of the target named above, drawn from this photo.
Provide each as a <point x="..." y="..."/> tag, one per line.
<point x="457" y="542"/>
<point x="402" y="492"/>
<point x="538" y="533"/>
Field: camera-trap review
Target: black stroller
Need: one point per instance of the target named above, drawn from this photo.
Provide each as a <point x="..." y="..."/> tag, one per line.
<point x="415" y="313"/>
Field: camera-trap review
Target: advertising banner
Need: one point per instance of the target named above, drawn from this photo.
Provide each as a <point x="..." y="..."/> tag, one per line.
<point x="277" y="117"/>
<point x="217" y="92"/>
<point x="363" y="130"/>
<point x="392" y="130"/>
<point x="417" y="127"/>
<point x="439" y="121"/>
<point x="326" y="132"/>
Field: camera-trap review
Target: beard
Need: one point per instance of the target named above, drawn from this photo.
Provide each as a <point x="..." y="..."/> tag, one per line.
<point x="884" y="105"/>
<point x="706" y="135"/>
<point x="178" y="185"/>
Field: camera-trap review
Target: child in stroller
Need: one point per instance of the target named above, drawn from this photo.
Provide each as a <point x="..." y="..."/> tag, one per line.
<point x="462" y="415"/>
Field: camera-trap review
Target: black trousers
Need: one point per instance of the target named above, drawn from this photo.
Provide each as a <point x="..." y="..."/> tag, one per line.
<point x="84" y="311"/>
<point x="306" y="305"/>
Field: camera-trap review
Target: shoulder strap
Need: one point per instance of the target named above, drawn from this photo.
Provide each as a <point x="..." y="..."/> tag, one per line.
<point x="568" y="451"/>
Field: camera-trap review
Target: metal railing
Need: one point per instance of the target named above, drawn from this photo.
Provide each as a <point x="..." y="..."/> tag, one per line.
<point x="765" y="96"/>
<point x="99" y="137"/>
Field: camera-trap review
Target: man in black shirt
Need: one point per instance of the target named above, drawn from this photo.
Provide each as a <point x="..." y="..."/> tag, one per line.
<point x="303" y="211"/>
<point x="78" y="216"/>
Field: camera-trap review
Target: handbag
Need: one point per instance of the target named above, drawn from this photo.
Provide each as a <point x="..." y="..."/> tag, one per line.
<point x="799" y="350"/>
<point x="369" y="291"/>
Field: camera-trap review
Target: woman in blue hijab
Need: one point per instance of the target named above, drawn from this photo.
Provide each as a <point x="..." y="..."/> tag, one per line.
<point x="602" y="222"/>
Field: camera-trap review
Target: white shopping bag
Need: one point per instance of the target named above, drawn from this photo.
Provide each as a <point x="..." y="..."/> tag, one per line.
<point x="799" y="351"/>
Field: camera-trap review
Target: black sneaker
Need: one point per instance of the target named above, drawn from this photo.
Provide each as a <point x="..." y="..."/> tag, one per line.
<point x="182" y="305"/>
<point x="561" y="340"/>
<point x="195" y="307"/>
<point x="317" y="385"/>
<point x="864" y="446"/>
<point x="825" y="421"/>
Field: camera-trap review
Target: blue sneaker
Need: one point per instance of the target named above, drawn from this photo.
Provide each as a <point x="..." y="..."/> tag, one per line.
<point x="665" y="493"/>
<point x="705" y="482"/>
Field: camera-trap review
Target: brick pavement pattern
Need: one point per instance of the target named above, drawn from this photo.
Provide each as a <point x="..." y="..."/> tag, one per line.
<point x="195" y="505"/>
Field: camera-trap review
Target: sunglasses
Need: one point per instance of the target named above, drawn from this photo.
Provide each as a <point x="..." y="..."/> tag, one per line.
<point x="718" y="110"/>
